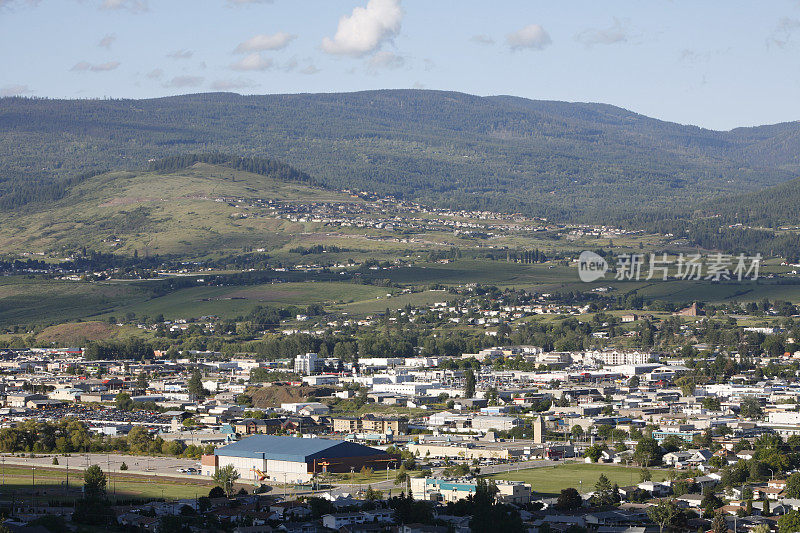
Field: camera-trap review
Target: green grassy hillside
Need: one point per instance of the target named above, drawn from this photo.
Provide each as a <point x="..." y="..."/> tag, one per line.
<point x="150" y="212"/>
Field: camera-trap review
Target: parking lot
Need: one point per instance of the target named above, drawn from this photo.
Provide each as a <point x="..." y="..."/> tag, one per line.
<point x="96" y="414"/>
<point x="137" y="464"/>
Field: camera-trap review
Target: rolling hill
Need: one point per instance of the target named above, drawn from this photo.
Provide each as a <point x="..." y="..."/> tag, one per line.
<point x="772" y="207"/>
<point x="572" y="161"/>
<point x="186" y="212"/>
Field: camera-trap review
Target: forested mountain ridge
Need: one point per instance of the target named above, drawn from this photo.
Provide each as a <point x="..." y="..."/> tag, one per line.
<point x="773" y="207"/>
<point x="572" y="161"/>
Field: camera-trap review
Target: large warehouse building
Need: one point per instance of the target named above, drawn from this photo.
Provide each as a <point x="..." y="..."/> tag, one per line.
<point x="294" y="459"/>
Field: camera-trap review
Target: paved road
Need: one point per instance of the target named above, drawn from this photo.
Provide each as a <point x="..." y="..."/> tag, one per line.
<point x="150" y="466"/>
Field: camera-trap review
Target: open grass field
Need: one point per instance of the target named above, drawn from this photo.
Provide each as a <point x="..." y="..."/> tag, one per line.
<point x="230" y="302"/>
<point x="582" y="476"/>
<point x="78" y="333"/>
<point x="54" y="302"/>
<point x="483" y="271"/>
<point x="24" y="300"/>
<point x="548" y="277"/>
<point x="396" y="301"/>
<point x="23" y="483"/>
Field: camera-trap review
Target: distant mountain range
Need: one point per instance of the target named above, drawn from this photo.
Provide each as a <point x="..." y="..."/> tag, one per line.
<point x="568" y="161"/>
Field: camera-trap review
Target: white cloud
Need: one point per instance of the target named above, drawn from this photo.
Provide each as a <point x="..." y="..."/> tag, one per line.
<point x="11" y="3"/>
<point x="238" y="3"/>
<point x="134" y="6"/>
<point x="107" y="41"/>
<point x="254" y="61"/>
<point x="229" y="85"/>
<point x="184" y="81"/>
<point x="181" y="54"/>
<point x="259" y="43"/>
<point x="481" y="39"/>
<point x="616" y="33"/>
<point x="155" y="74"/>
<point x="15" y="89"/>
<point x="385" y="60"/>
<point x="783" y="31"/>
<point x="84" y="66"/>
<point x="532" y="37"/>
<point x="292" y="65"/>
<point x="366" y="29"/>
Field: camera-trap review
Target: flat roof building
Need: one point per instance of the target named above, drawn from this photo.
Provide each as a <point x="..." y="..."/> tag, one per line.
<point x="294" y="459"/>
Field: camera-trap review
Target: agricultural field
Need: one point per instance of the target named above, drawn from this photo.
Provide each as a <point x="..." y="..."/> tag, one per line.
<point x="230" y="302"/>
<point x="552" y="480"/>
<point x="46" y="301"/>
<point x="396" y="301"/>
<point x="24" y="300"/>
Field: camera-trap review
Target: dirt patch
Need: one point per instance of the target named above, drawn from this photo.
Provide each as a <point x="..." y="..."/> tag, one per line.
<point x="275" y="395"/>
<point x="78" y="333"/>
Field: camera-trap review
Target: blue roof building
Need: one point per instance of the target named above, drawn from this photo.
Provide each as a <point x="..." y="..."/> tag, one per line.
<point x="295" y="448"/>
<point x="270" y="457"/>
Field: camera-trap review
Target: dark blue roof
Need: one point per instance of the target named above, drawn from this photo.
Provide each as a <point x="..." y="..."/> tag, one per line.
<point x="294" y="448"/>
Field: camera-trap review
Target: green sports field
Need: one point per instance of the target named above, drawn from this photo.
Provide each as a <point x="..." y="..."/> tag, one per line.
<point x="553" y="479"/>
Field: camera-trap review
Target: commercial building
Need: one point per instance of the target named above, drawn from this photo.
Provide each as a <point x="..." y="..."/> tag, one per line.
<point x="307" y="364"/>
<point x="370" y="423"/>
<point x="450" y="490"/>
<point x="467" y="451"/>
<point x="486" y="423"/>
<point x="614" y="357"/>
<point x="404" y="389"/>
<point x="784" y="417"/>
<point x="294" y="459"/>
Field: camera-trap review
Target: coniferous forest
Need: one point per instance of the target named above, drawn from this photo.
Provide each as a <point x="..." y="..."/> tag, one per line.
<point x="568" y="162"/>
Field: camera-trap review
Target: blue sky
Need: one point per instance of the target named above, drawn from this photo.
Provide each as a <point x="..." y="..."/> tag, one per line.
<point x="718" y="64"/>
